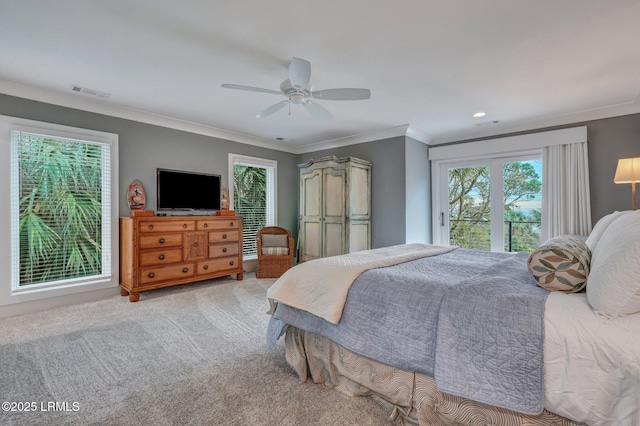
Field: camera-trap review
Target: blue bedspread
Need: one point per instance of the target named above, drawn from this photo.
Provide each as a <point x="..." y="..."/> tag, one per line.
<point x="471" y="319"/>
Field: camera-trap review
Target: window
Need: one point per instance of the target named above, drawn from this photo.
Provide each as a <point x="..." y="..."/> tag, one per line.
<point x="253" y="196"/>
<point x="504" y="192"/>
<point x="493" y="204"/>
<point x="63" y="212"/>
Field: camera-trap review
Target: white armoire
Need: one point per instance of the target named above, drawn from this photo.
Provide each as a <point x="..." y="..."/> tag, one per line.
<point x="335" y="207"/>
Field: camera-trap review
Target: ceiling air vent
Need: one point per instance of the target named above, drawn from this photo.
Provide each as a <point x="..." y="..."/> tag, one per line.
<point x="487" y="123"/>
<point x="90" y="92"/>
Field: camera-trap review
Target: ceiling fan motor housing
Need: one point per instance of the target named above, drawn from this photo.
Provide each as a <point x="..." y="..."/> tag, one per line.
<point x="296" y="96"/>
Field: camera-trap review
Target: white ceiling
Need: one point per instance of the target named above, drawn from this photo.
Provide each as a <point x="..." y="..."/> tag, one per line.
<point x="429" y="64"/>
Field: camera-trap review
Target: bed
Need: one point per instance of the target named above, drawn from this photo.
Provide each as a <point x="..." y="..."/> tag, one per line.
<point x="485" y="341"/>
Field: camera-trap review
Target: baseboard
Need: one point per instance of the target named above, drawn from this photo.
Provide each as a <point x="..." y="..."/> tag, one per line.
<point x="56" y="302"/>
<point x="250" y="265"/>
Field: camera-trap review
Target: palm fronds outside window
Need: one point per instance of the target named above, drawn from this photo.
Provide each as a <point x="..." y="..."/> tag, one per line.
<point x="60" y="202"/>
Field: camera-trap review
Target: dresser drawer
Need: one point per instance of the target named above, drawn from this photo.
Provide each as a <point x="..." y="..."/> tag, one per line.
<point x="166" y="226"/>
<point x="160" y="257"/>
<point x="165" y="273"/>
<point x="160" y="240"/>
<point x="208" y="225"/>
<point x="223" y="236"/>
<point x="217" y="265"/>
<point x="221" y="250"/>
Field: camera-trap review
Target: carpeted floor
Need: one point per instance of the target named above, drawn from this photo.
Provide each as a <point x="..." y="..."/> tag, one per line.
<point x="185" y="355"/>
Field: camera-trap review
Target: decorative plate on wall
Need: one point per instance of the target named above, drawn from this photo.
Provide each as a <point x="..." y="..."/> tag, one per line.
<point x="136" y="196"/>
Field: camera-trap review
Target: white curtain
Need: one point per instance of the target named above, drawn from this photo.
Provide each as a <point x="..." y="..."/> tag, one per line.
<point x="566" y="201"/>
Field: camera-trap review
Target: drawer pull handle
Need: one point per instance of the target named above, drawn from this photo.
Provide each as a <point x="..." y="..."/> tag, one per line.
<point x="161" y="257"/>
<point x="224" y="236"/>
<point x="150" y="227"/>
<point x="224" y="250"/>
<point x="206" y="225"/>
<point x="185" y="270"/>
<point x="184" y="225"/>
<point x="231" y="224"/>
<point x="231" y="263"/>
<point x="195" y="244"/>
<point x="161" y="240"/>
<point x="151" y="275"/>
<point x="205" y="267"/>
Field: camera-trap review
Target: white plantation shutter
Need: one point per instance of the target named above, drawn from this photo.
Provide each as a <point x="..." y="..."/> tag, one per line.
<point x="259" y="212"/>
<point x="61" y="210"/>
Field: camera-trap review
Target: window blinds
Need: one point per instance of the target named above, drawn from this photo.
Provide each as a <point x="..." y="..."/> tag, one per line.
<point x="253" y="199"/>
<point x="61" y="204"/>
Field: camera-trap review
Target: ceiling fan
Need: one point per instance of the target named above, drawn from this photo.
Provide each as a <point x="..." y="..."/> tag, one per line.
<point x="298" y="91"/>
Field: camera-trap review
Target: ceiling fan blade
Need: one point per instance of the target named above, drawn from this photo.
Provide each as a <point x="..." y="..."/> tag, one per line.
<point x="273" y="108"/>
<point x="342" y="94"/>
<point x="251" y="89"/>
<point x="299" y="73"/>
<point x="317" y="110"/>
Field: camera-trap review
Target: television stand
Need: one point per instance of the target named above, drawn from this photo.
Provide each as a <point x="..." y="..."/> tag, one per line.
<point x="162" y="251"/>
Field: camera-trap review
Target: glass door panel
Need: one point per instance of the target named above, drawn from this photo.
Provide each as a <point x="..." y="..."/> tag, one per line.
<point x="522" y="194"/>
<point x="469" y="207"/>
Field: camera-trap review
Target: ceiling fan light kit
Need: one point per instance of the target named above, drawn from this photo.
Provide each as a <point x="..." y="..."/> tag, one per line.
<point x="298" y="92"/>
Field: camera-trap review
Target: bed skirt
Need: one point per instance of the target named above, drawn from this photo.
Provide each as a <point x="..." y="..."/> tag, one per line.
<point x="412" y="396"/>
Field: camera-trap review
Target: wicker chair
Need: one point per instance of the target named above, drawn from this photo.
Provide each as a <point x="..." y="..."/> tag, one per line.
<point x="275" y="251"/>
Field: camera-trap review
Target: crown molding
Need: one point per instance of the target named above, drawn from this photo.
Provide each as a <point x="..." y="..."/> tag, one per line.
<point x="609" y="111"/>
<point x="355" y="139"/>
<point x="418" y="134"/>
<point x="100" y="107"/>
<point x="392" y="132"/>
<point x="75" y="101"/>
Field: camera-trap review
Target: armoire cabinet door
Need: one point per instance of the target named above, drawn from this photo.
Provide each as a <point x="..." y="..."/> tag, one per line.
<point x="333" y="207"/>
<point x="311" y="210"/>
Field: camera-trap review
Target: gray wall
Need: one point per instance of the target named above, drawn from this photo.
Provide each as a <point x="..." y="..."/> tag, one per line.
<point x="609" y="140"/>
<point x="145" y="147"/>
<point x="387" y="159"/>
<point x="396" y="172"/>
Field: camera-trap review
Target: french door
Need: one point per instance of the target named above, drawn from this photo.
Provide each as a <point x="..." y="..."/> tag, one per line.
<point x="489" y="204"/>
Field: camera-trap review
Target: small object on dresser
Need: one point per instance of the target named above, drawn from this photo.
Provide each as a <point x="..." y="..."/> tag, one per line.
<point x="224" y="198"/>
<point x="226" y="213"/>
<point x="136" y="195"/>
<point x="142" y="213"/>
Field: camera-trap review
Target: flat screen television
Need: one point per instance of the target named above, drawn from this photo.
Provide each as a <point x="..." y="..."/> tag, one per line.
<point x="181" y="190"/>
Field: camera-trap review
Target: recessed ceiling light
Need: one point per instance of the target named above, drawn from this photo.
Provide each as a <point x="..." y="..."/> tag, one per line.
<point x="479" y="114"/>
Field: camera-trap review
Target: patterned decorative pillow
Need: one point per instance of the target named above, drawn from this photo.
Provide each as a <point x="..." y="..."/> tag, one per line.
<point x="561" y="264"/>
<point x="275" y="251"/>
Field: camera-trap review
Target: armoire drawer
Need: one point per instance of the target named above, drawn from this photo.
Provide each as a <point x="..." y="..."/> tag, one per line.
<point x="160" y="257"/>
<point x="222" y="250"/>
<point x="223" y="236"/>
<point x="221" y="264"/>
<point x="165" y="273"/>
<point x="166" y="226"/>
<point x="208" y="225"/>
<point x="160" y="240"/>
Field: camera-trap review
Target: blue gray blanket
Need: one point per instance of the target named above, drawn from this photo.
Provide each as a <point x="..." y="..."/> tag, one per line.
<point x="471" y="319"/>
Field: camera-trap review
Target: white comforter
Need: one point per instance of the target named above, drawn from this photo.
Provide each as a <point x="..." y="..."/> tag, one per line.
<point x="592" y="364"/>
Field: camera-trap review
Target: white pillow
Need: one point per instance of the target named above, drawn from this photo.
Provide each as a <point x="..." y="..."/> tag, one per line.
<point x="613" y="286"/>
<point x="279" y="240"/>
<point x="601" y="226"/>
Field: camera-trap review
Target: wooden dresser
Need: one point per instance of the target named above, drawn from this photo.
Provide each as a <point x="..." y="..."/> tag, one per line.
<point x="168" y="250"/>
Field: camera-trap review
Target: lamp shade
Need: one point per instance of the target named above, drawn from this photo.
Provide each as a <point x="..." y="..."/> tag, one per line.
<point x="628" y="170"/>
